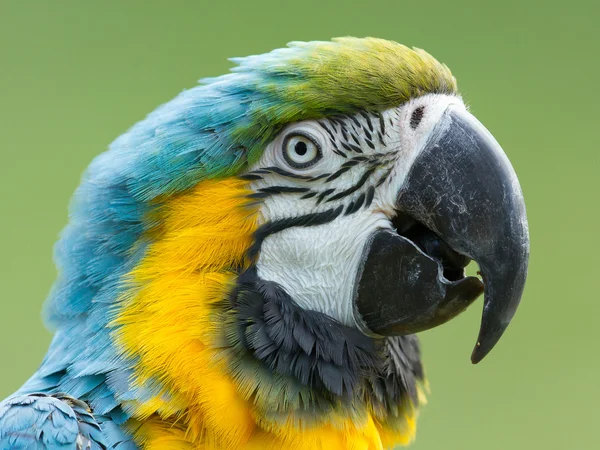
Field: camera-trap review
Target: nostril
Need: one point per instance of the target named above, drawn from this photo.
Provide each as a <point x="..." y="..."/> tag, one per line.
<point x="416" y="117"/>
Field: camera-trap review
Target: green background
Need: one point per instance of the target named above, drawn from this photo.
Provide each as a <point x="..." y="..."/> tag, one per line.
<point x="74" y="75"/>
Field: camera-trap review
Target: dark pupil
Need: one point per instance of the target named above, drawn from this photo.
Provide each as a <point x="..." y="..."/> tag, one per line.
<point x="300" y="148"/>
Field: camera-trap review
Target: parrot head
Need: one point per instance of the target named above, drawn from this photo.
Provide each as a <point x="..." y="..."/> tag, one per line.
<point x="372" y="207"/>
<point x="254" y="258"/>
<point x="371" y="218"/>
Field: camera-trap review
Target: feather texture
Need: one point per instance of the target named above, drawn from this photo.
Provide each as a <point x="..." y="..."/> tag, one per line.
<point x="158" y="231"/>
<point x="39" y="421"/>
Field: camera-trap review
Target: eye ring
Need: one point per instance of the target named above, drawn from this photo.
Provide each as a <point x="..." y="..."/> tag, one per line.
<point x="301" y="150"/>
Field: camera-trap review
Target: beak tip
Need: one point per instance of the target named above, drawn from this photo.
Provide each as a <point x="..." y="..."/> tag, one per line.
<point x="489" y="335"/>
<point x="477" y="354"/>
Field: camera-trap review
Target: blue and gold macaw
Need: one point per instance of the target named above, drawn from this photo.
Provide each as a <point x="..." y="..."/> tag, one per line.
<point x="246" y="267"/>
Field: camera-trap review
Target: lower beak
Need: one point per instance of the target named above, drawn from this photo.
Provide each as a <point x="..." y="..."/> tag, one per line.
<point x="461" y="201"/>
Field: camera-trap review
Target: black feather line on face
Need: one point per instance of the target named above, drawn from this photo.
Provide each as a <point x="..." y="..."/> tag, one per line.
<point x="275" y="190"/>
<point x="355" y="138"/>
<point x="381" y="123"/>
<point x="279" y="171"/>
<point x="355" y="121"/>
<point x="354" y="188"/>
<point x="351" y="163"/>
<point x="251" y="177"/>
<point x="384" y="177"/>
<point x="324" y="194"/>
<point x="286" y="173"/>
<point x="355" y="205"/>
<point x="337" y="151"/>
<point x="368" y="119"/>
<point x="344" y="131"/>
<point x="370" y="195"/>
<point x="337" y="174"/>
<point x="323" y="125"/>
<point x="356" y="148"/>
<point x="346" y="146"/>
<point x="276" y="226"/>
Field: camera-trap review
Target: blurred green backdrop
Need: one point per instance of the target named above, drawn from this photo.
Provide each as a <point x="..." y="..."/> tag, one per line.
<point x="74" y="75"/>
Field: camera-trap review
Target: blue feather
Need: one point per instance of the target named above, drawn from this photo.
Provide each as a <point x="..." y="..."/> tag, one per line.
<point x="39" y="421"/>
<point x="177" y="145"/>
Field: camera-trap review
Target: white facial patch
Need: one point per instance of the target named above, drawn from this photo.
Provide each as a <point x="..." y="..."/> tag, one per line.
<point x="350" y="166"/>
<point x="317" y="265"/>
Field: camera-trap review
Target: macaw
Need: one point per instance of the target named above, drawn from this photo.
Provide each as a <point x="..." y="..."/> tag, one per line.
<point x="246" y="268"/>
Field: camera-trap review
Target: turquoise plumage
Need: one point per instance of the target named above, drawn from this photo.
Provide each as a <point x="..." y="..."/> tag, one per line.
<point x="171" y="149"/>
<point x="40" y="421"/>
<point x="212" y="130"/>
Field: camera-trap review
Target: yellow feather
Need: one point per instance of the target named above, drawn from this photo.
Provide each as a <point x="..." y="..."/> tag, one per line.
<point x="168" y="324"/>
<point x="154" y="434"/>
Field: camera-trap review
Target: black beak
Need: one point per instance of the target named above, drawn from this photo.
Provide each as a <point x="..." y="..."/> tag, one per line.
<point x="461" y="200"/>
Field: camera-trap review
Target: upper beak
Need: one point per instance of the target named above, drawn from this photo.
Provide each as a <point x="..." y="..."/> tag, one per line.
<point x="465" y="196"/>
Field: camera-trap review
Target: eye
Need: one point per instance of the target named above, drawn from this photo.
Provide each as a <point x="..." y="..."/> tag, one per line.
<point x="416" y="117"/>
<point x="301" y="151"/>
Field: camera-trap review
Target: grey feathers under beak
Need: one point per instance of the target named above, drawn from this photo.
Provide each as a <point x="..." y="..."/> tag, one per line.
<point x="461" y="201"/>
